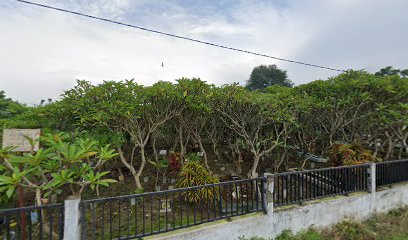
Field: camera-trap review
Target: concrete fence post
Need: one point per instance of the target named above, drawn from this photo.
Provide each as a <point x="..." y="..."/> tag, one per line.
<point x="269" y="192"/>
<point x="72" y="217"/>
<point x="373" y="178"/>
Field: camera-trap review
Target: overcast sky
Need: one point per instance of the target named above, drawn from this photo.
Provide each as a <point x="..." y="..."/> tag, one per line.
<point x="43" y="52"/>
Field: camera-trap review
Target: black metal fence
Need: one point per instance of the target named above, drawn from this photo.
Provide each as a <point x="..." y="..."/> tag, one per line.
<point x="391" y="172"/>
<point x="140" y="215"/>
<point x="42" y="222"/>
<point x="298" y="187"/>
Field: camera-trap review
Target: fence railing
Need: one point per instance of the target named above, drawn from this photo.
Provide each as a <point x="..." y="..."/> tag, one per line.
<point x="141" y="215"/>
<point x="301" y="186"/>
<point x="41" y="222"/>
<point x="391" y="172"/>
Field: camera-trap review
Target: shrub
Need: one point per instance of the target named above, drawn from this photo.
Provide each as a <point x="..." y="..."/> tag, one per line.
<point x="351" y="230"/>
<point x="350" y="154"/>
<point x="193" y="173"/>
<point x="174" y="162"/>
<point x="191" y="157"/>
<point x="310" y="234"/>
<point x="252" y="238"/>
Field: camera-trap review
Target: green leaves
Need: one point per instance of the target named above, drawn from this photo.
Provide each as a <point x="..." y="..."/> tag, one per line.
<point x="5" y="152"/>
<point x="106" y="153"/>
<point x="9" y="108"/>
<point x="194" y="174"/>
<point x="9" y="183"/>
<point x="59" y="179"/>
<point x="161" y="164"/>
<point x="35" y="159"/>
<point x="264" y="76"/>
<point x="95" y="179"/>
<point x="60" y="164"/>
<point x="71" y="153"/>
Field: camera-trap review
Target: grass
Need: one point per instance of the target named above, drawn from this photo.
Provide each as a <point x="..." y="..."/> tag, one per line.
<point x="387" y="226"/>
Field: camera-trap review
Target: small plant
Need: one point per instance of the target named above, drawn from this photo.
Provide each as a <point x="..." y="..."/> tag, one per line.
<point x="192" y="174"/>
<point x="174" y="162"/>
<point x="159" y="165"/>
<point x="138" y="191"/>
<point x="61" y="165"/>
<point x="191" y="157"/>
<point x="350" y="154"/>
<point x="351" y="230"/>
<point x="251" y="238"/>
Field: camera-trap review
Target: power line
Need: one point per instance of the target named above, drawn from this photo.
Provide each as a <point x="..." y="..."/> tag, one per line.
<point x="177" y="36"/>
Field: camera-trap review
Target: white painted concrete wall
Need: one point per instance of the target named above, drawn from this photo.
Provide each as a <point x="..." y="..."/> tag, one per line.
<point x="359" y="206"/>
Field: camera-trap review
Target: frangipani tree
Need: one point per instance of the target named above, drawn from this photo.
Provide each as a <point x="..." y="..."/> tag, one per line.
<point x="251" y="116"/>
<point x="195" y="117"/>
<point x="125" y="108"/>
<point x="56" y="166"/>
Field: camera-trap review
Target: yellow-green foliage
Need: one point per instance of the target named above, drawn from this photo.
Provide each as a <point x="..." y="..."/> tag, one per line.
<point x="348" y="154"/>
<point x="193" y="173"/>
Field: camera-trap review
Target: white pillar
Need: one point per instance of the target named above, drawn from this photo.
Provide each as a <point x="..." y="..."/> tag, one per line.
<point x="373" y="187"/>
<point x="372" y="178"/>
<point x="269" y="192"/>
<point x="72" y="216"/>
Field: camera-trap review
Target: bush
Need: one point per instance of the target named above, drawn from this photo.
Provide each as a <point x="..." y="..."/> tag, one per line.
<point x="252" y="238"/>
<point x="174" y="162"/>
<point x="193" y="173"/>
<point x="350" y="230"/>
<point x="310" y="234"/>
<point x="350" y="154"/>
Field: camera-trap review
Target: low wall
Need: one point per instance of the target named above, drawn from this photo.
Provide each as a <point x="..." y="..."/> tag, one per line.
<point x="323" y="213"/>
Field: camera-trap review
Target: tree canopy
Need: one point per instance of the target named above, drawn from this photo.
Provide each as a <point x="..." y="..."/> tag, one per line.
<point x="264" y="76"/>
<point x="8" y="107"/>
<point x="253" y="128"/>
<point x="389" y="71"/>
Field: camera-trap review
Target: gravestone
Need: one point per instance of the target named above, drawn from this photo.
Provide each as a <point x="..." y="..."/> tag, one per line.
<point x="17" y="137"/>
<point x="34" y="217"/>
<point x="146" y="179"/>
<point x="165" y="206"/>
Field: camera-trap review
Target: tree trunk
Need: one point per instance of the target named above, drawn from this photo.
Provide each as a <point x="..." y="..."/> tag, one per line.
<point x="236" y="157"/>
<point x="239" y="169"/>
<point x="139" y="173"/>
<point x="253" y="173"/>
<point x="156" y="180"/>
<point x="390" y="146"/>
<point x="281" y="160"/>
<point x="137" y="182"/>
<point x="132" y="170"/>
<point x="200" y="144"/>
<point x="215" y="149"/>
<point x="375" y="148"/>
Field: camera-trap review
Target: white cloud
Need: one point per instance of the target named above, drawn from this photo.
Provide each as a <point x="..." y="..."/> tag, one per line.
<point x="43" y="52"/>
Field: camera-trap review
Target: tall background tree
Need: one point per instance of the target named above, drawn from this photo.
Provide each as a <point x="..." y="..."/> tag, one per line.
<point x="264" y="76"/>
<point x="8" y="107"/>
<point x="389" y="71"/>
